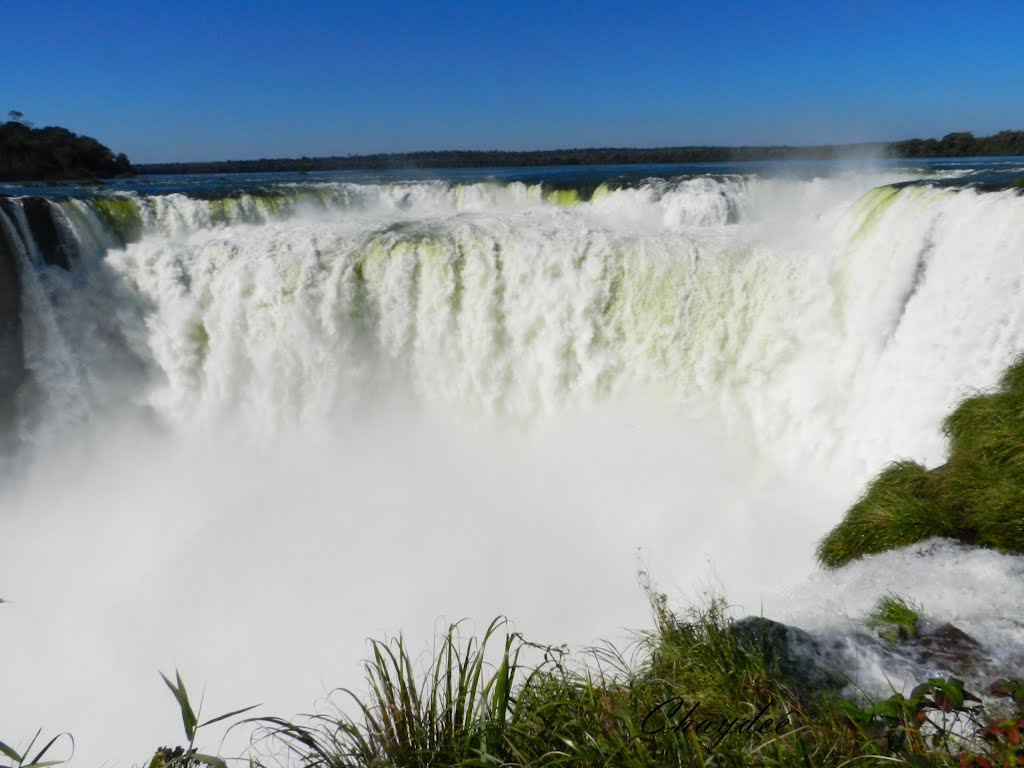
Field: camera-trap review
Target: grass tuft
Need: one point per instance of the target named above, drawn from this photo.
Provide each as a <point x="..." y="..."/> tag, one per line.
<point x="606" y="707"/>
<point x="895" y="619"/>
<point x="976" y="497"/>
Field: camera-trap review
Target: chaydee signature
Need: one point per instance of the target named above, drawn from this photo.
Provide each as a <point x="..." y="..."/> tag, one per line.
<point x="666" y="717"/>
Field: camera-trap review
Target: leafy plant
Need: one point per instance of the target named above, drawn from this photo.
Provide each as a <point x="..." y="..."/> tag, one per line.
<point x="458" y="712"/>
<point x="917" y="726"/>
<point x="189" y="757"/>
<point x="1009" y="689"/>
<point x="23" y="760"/>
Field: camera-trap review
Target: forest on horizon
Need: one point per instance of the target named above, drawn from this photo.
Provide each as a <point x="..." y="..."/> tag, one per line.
<point x="56" y="154"/>
<point x="962" y="144"/>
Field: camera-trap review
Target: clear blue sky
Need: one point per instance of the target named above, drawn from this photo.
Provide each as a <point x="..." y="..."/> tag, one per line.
<point x="188" y="80"/>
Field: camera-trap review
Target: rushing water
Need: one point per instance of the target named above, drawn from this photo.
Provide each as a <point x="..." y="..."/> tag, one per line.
<point x="264" y="418"/>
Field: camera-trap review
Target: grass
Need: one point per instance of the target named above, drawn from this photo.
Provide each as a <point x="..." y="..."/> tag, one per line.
<point x="680" y="695"/>
<point x="976" y="497"/>
<point x="687" y="693"/>
<point x="26" y="759"/>
<point x="895" y="619"/>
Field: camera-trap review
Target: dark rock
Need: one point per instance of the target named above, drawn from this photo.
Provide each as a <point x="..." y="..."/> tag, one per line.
<point x="946" y="646"/>
<point x="791" y="654"/>
<point x="12" y="360"/>
<point x="44" y="231"/>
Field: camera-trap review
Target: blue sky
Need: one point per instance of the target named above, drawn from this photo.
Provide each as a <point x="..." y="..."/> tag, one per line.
<point x="230" y="80"/>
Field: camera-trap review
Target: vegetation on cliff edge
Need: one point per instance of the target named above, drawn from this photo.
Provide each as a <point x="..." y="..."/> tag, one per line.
<point x="976" y="497"/>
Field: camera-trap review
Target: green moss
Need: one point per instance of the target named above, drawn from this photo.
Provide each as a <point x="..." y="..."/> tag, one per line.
<point x="199" y="336"/>
<point x="872" y="207"/>
<point x="563" y="197"/>
<point x="221" y="211"/>
<point x="601" y="191"/>
<point x="1019" y="183"/>
<point x="977" y="497"/>
<point x="121" y="216"/>
<point x="895" y="619"/>
<point x="274" y="206"/>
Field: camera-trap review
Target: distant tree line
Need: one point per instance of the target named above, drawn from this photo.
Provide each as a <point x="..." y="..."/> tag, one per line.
<point x="953" y="145"/>
<point x="499" y="159"/>
<point x="1002" y="144"/>
<point x="30" y="154"/>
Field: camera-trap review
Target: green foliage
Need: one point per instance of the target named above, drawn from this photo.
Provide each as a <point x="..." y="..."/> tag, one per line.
<point x="963" y="144"/>
<point x="23" y="759"/>
<point x="1010" y="689"/>
<point x="478" y="703"/>
<point x="920" y="729"/>
<point x="189" y="757"/>
<point x="895" y="618"/>
<point x="53" y="154"/>
<point x="977" y="497"/>
<point x="458" y="713"/>
<point x="1019" y="183"/>
<point x="501" y="159"/>
<point x="898" y="508"/>
<point x="1005" y="143"/>
<point x="608" y="708"/>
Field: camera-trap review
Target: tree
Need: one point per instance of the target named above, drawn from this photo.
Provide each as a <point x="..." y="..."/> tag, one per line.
<point x="15" y="116"/>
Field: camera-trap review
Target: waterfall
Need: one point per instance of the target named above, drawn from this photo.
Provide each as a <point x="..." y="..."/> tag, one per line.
<point x="253" y="429"/>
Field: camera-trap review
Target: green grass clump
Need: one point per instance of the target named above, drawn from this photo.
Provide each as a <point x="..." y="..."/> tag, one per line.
<point x="976" y="497"/>
<point x="895" y="619"/>
<point x="624" y="710"/>
<point x="607" y="707"/>
<point x="457" y="713"/>
<point x="680" y="696"/>
<point x="22" y="759"/>
<point x="898" y="508"/>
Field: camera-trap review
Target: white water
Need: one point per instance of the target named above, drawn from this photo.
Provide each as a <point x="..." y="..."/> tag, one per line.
<point x="264" y="432"/>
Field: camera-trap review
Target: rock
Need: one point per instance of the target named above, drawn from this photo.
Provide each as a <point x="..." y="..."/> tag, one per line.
<point x="947" y="646"/>
<point x="44" y="231"/>
<point x="12" y="360"/>
<point x="791" y="654"/>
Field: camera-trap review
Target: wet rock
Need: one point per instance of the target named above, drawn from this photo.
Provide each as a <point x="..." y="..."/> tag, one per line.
<point x="44" y="231"/>
<point x="947" y="646"/>
<point x="12" y="362"/>
<point x="791" y="654"/>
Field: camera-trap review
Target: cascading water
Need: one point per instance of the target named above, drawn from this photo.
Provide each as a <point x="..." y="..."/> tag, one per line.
<point x="283" y="422"/>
